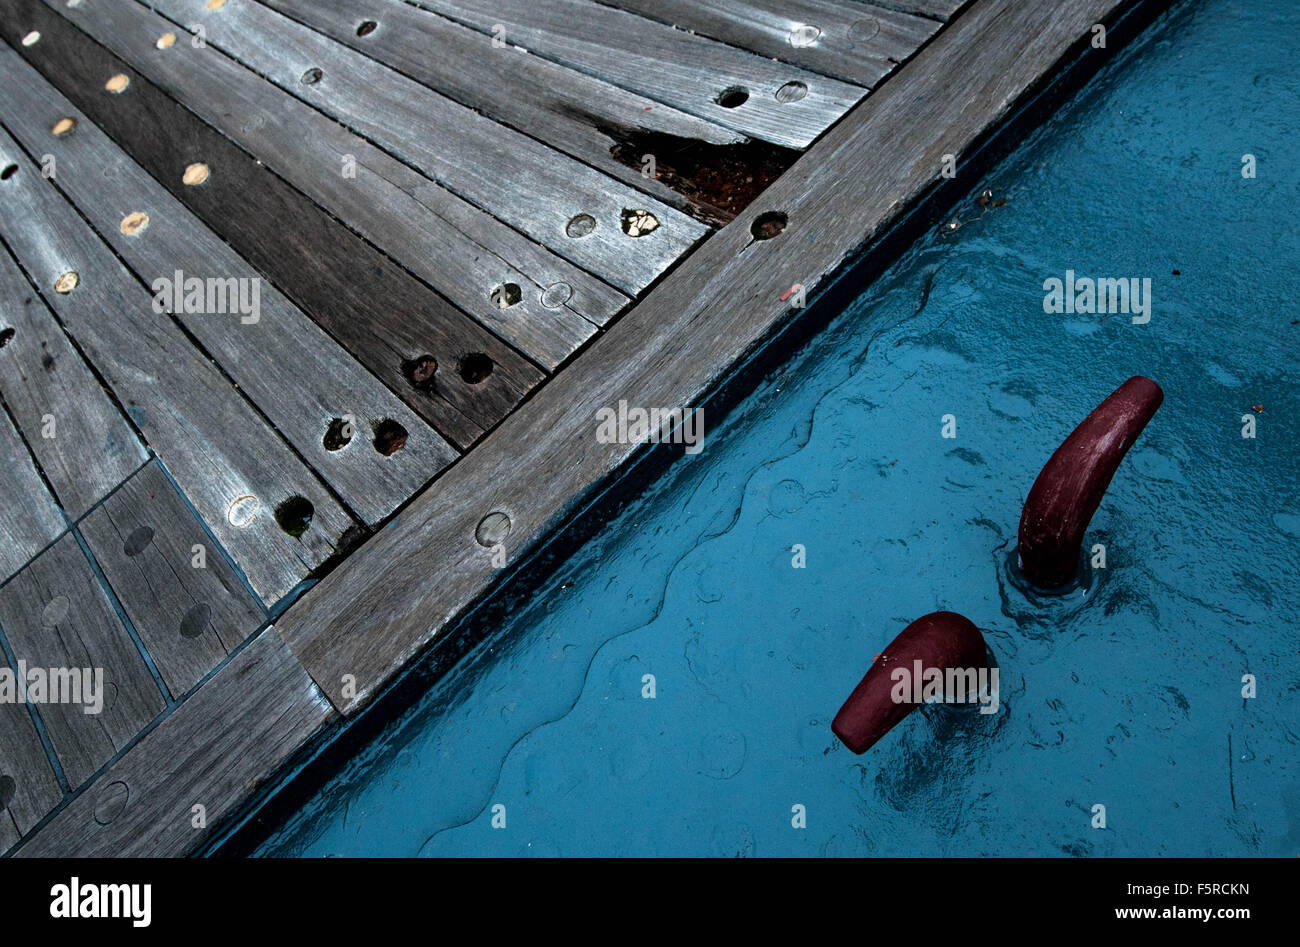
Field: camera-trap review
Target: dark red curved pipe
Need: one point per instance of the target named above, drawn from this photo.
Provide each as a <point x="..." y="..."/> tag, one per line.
<point x="940" y="640"/>
<point x="1070" y="487"/>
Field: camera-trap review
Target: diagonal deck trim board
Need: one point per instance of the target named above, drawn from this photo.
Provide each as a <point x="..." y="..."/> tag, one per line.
<point x="377" y="310"/>
<point x="235" y="731"/>
<point x="384" y="605"/>
<point x="858" y="45"/>
<point x="685" y="71"/>
<point x="56" y="616"/>
<point x="569" y="110"/>
<point x="28" y="788"/>
<point x="300" y="377"/>
<point x="219" y="449"/>
<point x="454" y="246"/>
<point x="82" y="442"/>
<point x="518" y="180"/>
<point x="29" y="518"/>
<point x="184" y="600"/>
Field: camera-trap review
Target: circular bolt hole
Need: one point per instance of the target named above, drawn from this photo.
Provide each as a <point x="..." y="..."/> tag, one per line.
<point x="32" y="38"/>
<point x="474" y="368"/>
<point x="5" y="336"/>
<point x="243" y="510"/>
<point x="8" y="789"/>
<point x="195" y="173"/>
<point x="66" y="282"/>
<point x="9" y="171"/>
<point x="111" y="802"/>
<point x="63" y="126"/>
<point x="792" y="91"/>
<point x="768" y="225"/>
<point x="134" y="223"/>
<point x="311" y="76"/>
<point x="638" y="223"/>
<point x="117" y="84"/>
<point x="294" y="515"/>
<point x="166" y="40"/>
<point x="366" y="28"/>
<point x="733" y="97"/>
<point x="338" y="435"/>
<point x="492" y="529"/>
<point x="195" y="622"/>
<point x="556" y="295"/>
<point x="803" y="36"/>
<point x="862" y="31"/>
<point x="580" y="225"/>
<point x="421" y="371"/>
<point x="55" y="611"/>
<point x="390" y="437"/>
<point x="138" y="540"/>
<point x="506" y="295"/>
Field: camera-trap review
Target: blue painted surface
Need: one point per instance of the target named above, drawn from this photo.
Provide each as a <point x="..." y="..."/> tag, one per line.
<point x="1128" y="695"/>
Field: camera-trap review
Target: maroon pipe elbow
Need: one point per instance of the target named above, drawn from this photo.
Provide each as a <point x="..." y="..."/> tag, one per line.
<point x="940" y="640"/>
<point x="1070" y="487"/>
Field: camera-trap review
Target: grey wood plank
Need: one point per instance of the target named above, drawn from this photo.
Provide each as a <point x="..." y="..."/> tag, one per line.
<point x="286" y="364"/>
<point x="235" y="731"/>
<point x="576" y="113"/>
<point x="943" y="10"/>
<point x="29" y="519"/>
<point x="56" y="615"/>
<point x="690" y="72"/>
<point x="518" y="180"/>
<point x="189" y="617"/>
<point x="380" y="312"/>
<point x="542" y="462"/>
<point x="82" y="442"/>
<point x="223" y="454"/>
<point x="857" y="45"/>
<point x="456" y="247"/>
<point x="28" y="789"/>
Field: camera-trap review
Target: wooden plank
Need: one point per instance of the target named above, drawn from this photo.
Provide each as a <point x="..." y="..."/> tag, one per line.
<point x="375" y="308"/>
<point x="82" y="442"/>
<point x="235" y="731"/>
<point x="379" y="609"/>
<point x="221" y="452"/>
<point x="189" y="617"/>
<point x="296" y="374"/>
<point x="31" y="520"/>
<point x="943" y="10"/>
<point x="859" y="45"/>
<point x="579" y="114"/>
<point x="695" y="74"/>
<point x="518" y="180"/>
<point x="457" y="248"/>
<point x="55" y="615"/>
<point x="28" y="789"/>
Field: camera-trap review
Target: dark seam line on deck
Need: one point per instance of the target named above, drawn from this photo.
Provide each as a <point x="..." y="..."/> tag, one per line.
<point x="220" y="368"/>
<point x="36" y="463"/>
<point x="899" y="8"/>
<point x="373" y="56"/>
<point x="46" y="742"/>
<point x="464" y="198"/>
<point x="322" y="209"/>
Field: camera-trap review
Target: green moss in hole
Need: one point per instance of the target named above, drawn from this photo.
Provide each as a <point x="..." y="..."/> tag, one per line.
<point x="294" y="515"/>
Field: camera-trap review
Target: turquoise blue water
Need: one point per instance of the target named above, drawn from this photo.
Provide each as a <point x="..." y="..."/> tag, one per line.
<point x="1126" y="694"/>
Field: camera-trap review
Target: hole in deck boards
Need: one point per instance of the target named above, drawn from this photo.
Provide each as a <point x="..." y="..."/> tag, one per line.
<point x="138" y="540"/>
<point x="492" y="529"/>
<point x="864" y="30"/>
<point x="421" y="372"/>
<point x="556" y="295"/>
<point x="339" y="434"/>
<point x="66" y="282"/>
<point x="243" y="510"/>
<point x="804" y="36"/>
<point x="195" y="174"/>
<point x="5" y="335"/>
<point x="366" y="27"/>
<point x="166" y="41"/>
<point x="505" y="295"/>
<point x="9" y="171"/>
<point x="111" y="802"/>
<point x="55" y="611"/>
<point x="63" y="126"/>
<point x="8" y="789"/>
<point x="311" y="76"/>
<point x="733" y="97"/>
<point x="117" y="84"/>
<point x="474" y="368"/>
<point x="294" y="515"/>
<point x="768" y="225"/>
<point x="792" y="91"/>
<point x="638" y="223"/>
<point x="390" y="437"/>
<point x="134" y="223"/>
<point x="580" y="225"/>
<point x="195" y="621"/>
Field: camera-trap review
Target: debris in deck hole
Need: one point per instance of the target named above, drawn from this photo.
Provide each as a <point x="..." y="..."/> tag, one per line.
<point x="638" y="223"/>
<point x="294" y="515"/>
<point x="390" y="437"/>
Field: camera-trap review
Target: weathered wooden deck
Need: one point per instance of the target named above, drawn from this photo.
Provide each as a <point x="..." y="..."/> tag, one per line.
<point x="459" y="215"/>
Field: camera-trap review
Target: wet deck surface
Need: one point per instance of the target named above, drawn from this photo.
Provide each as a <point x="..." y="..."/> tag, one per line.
<point x="270" y="270"/>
